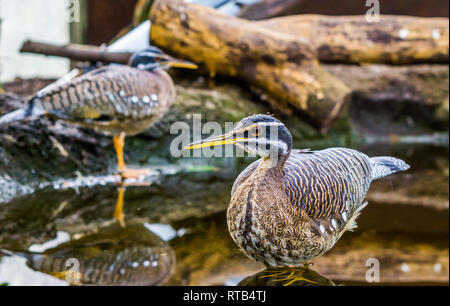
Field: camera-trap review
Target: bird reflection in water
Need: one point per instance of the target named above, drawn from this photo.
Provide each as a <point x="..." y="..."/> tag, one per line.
<point x="119" y="215"/>
<point x="118" y="210"/>
<point x="113" y="256"/>
<point x="287" y="276"/>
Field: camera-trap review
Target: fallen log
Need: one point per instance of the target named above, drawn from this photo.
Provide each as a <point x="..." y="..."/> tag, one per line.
<point x="397" y="40"/>
<point x="282" y="66"/>
<point x="333" y="39"/>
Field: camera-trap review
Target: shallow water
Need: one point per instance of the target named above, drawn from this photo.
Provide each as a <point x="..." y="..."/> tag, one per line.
<point x="175" y="231"/>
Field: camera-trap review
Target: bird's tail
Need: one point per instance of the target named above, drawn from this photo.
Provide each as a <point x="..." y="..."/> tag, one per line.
<point x="385" y="165"/>
<point x="34" y="109"/>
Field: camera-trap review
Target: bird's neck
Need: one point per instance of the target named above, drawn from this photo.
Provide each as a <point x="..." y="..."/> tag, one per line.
<point x="273" y="165"/>
<point x="267" y="179"/>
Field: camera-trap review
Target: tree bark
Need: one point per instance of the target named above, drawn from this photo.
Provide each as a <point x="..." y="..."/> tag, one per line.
<point x="397" y="40"/>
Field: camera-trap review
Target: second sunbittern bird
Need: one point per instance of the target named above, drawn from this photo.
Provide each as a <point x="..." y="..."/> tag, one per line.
<point x="293" y="205"/>
<point x="120" y="100"/>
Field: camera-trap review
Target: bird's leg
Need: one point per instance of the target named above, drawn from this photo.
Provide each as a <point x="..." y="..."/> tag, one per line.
<point x="118" y="210"/>
<point x="119" y="143"/>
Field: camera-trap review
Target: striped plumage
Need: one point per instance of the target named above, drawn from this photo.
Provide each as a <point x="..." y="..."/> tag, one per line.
<point x="320" y="195"/>
<point x="293" y="205"/>
<point x="112" y="99"/>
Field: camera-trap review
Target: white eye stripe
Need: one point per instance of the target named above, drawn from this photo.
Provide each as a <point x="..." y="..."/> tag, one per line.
<point x="149" y="54"/>
<point x="146" y="66"/>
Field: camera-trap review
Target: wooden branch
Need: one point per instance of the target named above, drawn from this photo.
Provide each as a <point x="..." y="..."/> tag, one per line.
<point x="282" y="66"/>
<point x="77" y="52"/>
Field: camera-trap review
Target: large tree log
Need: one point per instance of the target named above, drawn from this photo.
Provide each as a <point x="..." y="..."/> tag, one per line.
<point x="283" y="66"/>
<point x="352" y="39"/>
<point x="336" y="39"/>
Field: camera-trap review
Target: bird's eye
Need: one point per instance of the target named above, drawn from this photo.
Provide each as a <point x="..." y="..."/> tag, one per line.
<point x="256" y="131"/>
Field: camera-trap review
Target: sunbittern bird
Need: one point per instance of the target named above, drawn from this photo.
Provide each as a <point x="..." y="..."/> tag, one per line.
<point x="293" y="205"/>
<point x="119" y="100"/>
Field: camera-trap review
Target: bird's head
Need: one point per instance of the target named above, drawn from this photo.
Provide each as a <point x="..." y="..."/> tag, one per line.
<point x="263" y="135"/>
<point x="151" y="58"/>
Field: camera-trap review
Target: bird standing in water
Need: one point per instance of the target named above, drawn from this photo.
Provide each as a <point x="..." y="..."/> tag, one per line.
<point x="293" y="205"/>
<point x="118" y="100"/>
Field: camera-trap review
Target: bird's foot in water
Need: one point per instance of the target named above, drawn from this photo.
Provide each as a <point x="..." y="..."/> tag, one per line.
<point x="289" y="275"/>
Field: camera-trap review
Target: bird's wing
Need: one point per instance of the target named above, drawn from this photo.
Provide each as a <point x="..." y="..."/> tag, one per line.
<point x="244" y="175"/>
<point x="107" y="93"/>
<point x="328" y="186"/>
